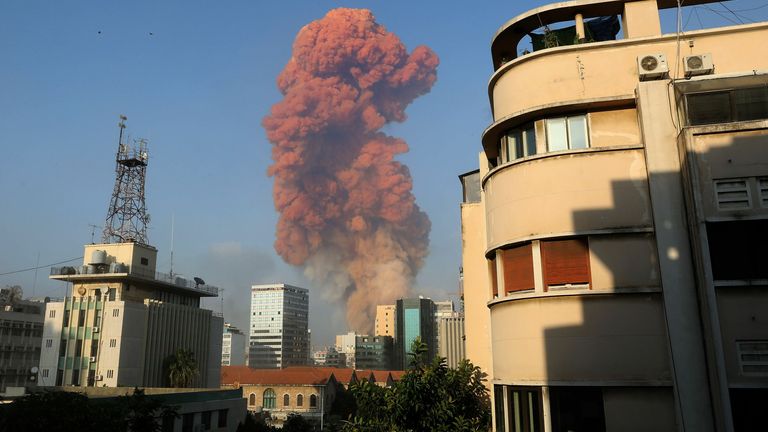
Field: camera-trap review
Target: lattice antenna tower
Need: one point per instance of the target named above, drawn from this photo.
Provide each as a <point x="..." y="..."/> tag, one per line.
<point x="127" y="216"/>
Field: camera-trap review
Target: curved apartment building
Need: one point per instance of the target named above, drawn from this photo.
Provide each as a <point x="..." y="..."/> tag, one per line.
<point x="614" y="260"/>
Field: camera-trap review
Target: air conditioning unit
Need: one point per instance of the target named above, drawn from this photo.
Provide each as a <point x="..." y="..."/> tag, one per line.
<point x="698" y="65"/>
<point x="98" y="378"/>
<point x="93" y="359"/>
<point x="652" y="66"/>
<point x="95" y="329"/>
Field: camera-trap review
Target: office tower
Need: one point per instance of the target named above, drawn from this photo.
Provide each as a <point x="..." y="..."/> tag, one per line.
<point x="279" y="332"/>
<point x="233" y="346"/>
<point x="415" y="318"/>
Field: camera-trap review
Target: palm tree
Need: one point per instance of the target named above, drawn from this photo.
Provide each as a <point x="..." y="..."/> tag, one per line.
<point x="182" y="368"/>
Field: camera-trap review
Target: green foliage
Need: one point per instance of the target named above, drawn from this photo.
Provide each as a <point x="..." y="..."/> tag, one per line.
<point x="182" y="368"/>
<point x="254" y="423"/>
<point x="297" y="423"/>
<point x="65" y="411"/>
<point x="429" y="397"/>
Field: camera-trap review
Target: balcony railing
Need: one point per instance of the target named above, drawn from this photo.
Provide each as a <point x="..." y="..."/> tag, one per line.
<point x="139" y="272"/>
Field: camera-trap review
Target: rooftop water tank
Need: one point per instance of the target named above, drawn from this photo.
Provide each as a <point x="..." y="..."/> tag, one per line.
<point x="98" y="257"/>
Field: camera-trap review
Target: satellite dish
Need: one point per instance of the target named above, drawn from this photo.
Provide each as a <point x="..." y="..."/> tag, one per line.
<point x="199" y="281"/>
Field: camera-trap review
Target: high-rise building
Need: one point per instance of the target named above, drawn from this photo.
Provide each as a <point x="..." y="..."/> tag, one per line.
<point x="373" y="352"/>
<point x="21" y="332"/>
<point x="233" y="346"/>
<point x="443" y="308"/>
<point x="279" y="332"/>
<point x="123" y="321"/>
<point x="415" y="318"/>
<point x="345" y="344"/>
<point x="385" y="320"/>
<point x="450" y="338"/>
<point x="613" y="237"/>
<point x="328" y="356"/>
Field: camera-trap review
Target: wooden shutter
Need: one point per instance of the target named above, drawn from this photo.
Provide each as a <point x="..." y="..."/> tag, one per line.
<point x="494" y="278"/>
<point x="518" y="268"/>
<point x="565" y="261"/>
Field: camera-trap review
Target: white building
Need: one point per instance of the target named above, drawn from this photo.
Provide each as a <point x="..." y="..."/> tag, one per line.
<point x="279" y="332"/>
<point x="345" y="344"/>
<point x="21" y="330"/>
<point x="233" y="346"/>
<point x="122" y="321"/>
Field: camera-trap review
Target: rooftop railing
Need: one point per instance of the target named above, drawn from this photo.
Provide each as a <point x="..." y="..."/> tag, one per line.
<point x="167" y="278"/>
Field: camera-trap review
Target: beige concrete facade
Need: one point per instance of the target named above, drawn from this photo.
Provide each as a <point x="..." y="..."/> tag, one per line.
<point x="385" y="321"/>
<point x="606" y="274"/>
<point x="122" y="321"/>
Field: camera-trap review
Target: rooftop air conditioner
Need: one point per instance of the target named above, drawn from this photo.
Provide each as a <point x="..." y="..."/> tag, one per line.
<point x="698" y="65"/>
<point x="652" y="66"/>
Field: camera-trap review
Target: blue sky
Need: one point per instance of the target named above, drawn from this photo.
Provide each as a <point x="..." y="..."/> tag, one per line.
<point x="196" y="78"/>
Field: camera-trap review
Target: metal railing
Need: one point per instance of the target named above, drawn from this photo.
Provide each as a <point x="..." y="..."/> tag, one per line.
<point x="142" y="273"/>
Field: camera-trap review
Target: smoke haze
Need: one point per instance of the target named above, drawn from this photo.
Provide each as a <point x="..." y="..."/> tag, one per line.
<point x="347" y="212"/>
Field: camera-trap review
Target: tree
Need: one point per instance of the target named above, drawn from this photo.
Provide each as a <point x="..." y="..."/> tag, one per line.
<point x="297" y="423"/>
<point x="54" y="411"/>
<point x="182" y="368"/>
<point x="429" y="397"/>
<point x="254" y="423"/>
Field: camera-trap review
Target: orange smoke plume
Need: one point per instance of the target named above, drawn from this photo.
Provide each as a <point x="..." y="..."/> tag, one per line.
<point x="347" y="211"/>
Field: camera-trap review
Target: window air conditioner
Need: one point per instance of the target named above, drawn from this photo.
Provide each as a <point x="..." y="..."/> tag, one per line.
<point x="652" y="66"/>
<point x="698" y="65"/>
<point x="98" y="377"/>
<point x="95" y="329"/>
<point x="93" y="359"/>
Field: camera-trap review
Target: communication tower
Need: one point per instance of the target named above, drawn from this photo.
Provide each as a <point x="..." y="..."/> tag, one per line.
<point x="127" y="217"/>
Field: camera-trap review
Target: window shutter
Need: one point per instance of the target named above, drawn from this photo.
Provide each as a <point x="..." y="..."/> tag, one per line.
<point x="565" y="261"/>
<point x="518" y="268"/>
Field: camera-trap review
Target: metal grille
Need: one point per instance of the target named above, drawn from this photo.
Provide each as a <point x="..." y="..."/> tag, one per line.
<point x="732" y="194"/>
<point x="753" y="357"/>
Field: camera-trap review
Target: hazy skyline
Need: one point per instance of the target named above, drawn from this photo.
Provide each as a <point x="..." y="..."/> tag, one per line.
<point x="196" y="82"/>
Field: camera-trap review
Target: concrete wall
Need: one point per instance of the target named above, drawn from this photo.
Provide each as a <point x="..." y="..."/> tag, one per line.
<point x="126" y="253"/>
<point x="575" y="73"/>
<point x="49" y="356"/>
<point x="567" y="193"/>
<point x="580" y="338"/>
<point x="743" y="312"/>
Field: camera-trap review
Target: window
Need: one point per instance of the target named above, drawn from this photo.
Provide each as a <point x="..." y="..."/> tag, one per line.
<point x="78" y="348"/>
<point x="115" y="313"/>
<point x="252" y="399"/>
<point x="222" y="421"/>
<point x="565" y="263"/>
<point x="66" y="318"/>
<point x="518" y="143"/>
<point x="76" y="377"/>
<point x="762" y="188"/>
<point x="111" y="294"/>
<point x="734" y="249"/>
<point x="523" y="406"/>
<point x="45" y="373"/>
<point x="144" y="261"/>
<point x="52" y="314"/>
<point x="312" y="401"/>
<point x="287" y="400"/>
<point x="727" y="106"/>
<point x="110" y="373"/>
<point x="113" y="343"/>
<point x="300" y="400"/>
<point x="63" y="348"/>
<point x="567" y="133"/>
<point x="206" y="419"/>
<point x="269" y="399"/>
<point x="187" y="422"/>
<point x="494" y="277"/>
<point x="59" y="377"/>
<point x="518" y="268"/>
<point x="577" y="409"/>
<point x="48" y="343"/>
<point x="81" y="318"/>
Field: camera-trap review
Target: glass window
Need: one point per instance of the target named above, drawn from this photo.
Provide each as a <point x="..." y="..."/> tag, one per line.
<point x="518" y="143"/>
<point x="564" y="133"/>
<point x="269" y="398"/>
<point x="524" y="408"/>
<point x="287" y="400"/>
<point x="577" y="132"/>
<point x="300" y="400"/>
<point x="557" y="134"/>
<point x="727" y="106"/>
<point x="252" y="399"/>
<point x="313" y="401"/>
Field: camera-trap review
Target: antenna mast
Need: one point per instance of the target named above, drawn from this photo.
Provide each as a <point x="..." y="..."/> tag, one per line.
<point x="127" y="216"/>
